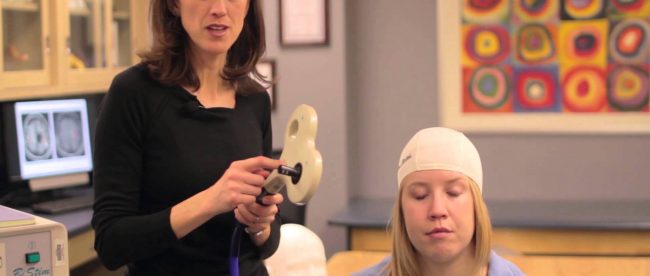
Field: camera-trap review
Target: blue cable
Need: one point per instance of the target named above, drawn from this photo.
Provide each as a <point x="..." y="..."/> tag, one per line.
<point x="234" y="249"/>
<point x="235" y="241"/>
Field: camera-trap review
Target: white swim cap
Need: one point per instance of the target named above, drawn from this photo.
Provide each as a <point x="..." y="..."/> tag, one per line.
<point x="443" y="149"/>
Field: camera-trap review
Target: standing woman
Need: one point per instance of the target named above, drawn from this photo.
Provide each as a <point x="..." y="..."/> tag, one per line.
<point x="180" y="145"/>
<point x="440" y="223"/>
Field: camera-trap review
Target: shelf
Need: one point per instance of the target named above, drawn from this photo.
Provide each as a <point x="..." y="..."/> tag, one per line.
<point x="79" y="12"/>
<point x="45" y="91"/>
<point x="121" y="15"/>
<point x="20" y="6"/>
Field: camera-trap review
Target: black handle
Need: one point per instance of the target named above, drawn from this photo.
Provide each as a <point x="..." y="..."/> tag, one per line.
<point x="259" y="198"/>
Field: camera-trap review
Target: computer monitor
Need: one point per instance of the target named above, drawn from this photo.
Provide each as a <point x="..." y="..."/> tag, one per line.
<point x="48" y="143"/>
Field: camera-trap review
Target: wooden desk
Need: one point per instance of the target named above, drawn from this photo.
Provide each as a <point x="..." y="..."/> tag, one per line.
<point x="530" y="228"/>
<point x="82" y="248"/>
<point x="347" y="262"/>
<point x="531" y="241"/>
<point x="592" y="266"/>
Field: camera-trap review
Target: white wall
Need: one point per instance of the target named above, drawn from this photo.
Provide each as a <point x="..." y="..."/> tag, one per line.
<point x="392" y="76"/>
<point x="375" y="85"/>
<point x="316" y="76"/>
<point x="391" y="82"/>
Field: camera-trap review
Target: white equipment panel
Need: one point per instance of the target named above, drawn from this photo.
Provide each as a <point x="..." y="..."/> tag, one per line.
<point x="31" y="245"/>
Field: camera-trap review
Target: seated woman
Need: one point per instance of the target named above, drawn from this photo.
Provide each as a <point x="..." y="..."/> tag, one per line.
<point x="440" y="224"/>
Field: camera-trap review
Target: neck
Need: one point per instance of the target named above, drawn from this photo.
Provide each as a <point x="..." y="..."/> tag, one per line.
<point x="208" y="68"/>
<point x="212" y="83"/>
<point x="463" y="264"/>
<point x="214" y="90"/>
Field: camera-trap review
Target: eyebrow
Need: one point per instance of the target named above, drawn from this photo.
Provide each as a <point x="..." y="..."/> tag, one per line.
<point x="456" y="179"/>
<point x="418" y="183"/>
<point x="448" y="182"/>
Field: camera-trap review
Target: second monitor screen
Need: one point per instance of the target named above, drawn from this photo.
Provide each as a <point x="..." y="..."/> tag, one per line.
<point x="53" y="137"/>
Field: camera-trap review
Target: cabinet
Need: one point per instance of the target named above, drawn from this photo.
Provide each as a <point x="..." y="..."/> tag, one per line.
<point x="25" y="42"/>
<point x="63" y="47"/>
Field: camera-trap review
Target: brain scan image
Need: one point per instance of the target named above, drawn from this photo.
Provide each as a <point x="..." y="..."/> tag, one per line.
<point x="36" y="131"/>
<point x="69" y="134"/>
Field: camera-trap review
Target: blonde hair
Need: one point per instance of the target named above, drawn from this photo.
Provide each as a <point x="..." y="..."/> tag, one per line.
<point x="404" y="255"/>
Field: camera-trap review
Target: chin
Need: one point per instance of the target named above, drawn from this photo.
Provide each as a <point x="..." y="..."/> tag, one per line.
<point x="443" y="254"/>
<point x="214" y="49"/>
<point x="444" y="258"/>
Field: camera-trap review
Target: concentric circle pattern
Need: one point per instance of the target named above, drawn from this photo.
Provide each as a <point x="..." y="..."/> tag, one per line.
<point x="487" y="44"/>
<point x="482" y="11"/>
<point x="535" y="90"/>
<point x="584" y="43"/>
<point x="628" y="41"/>
<point x="584" y="89"/>
<point x="488" y="87"/>
<point x="534" y="44"/>
<point x="628" y="88"/>
<point x="558" y="56"/>
<point x="627" y="5"/>
<point x="583" y="9"/>
<point x="539" y="10"/>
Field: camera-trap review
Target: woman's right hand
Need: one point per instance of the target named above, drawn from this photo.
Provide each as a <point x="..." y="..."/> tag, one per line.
<point x="241" y="183"/>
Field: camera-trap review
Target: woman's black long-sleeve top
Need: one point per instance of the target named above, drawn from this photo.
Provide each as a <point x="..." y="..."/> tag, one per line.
<point x="155" y="147"/>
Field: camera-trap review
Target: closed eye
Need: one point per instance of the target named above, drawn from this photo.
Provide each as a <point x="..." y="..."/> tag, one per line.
<point x="421" y="197"/>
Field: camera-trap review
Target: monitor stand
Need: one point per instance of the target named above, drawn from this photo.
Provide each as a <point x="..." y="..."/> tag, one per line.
<point x="59" y="181"/>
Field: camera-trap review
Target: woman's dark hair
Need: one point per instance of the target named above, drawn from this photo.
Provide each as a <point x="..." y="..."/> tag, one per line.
<point x="169" y="57"/>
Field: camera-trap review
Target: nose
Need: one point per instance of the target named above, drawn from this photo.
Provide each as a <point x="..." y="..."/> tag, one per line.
<point x="438" y="208"/>
<point x="218" y="8"/>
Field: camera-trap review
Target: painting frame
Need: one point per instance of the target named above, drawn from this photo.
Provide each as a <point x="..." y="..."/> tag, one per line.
<point x="315" y="31"/>
<point x="450" y="95"/>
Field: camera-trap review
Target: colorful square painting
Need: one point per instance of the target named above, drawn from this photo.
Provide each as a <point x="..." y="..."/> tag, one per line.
<point x="526" y="62"/>
<point x="555" y="56"/>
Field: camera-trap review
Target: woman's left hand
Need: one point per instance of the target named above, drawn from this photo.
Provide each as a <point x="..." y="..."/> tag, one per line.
<point x="258" y="217"/>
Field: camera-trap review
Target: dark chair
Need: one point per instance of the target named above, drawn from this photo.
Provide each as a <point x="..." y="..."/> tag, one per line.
<point x="290" y="212"/>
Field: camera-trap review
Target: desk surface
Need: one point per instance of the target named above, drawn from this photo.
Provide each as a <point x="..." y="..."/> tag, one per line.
<point x="593" y="215"/>
<point x="346" y="262"/>
<point x="75" y="221"/>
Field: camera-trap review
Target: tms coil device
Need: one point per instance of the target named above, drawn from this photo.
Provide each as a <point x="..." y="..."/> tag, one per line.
<point x="301" y="175"/>
<point x="304" y="166"/>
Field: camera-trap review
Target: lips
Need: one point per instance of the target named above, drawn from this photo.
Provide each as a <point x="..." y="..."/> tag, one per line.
<point x="439" y="232"/>
<point x="217" y="29"/>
